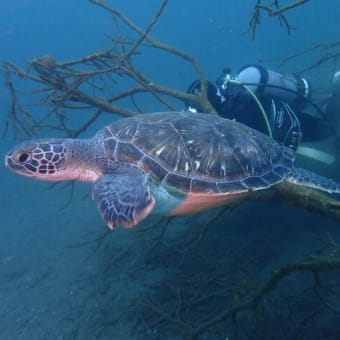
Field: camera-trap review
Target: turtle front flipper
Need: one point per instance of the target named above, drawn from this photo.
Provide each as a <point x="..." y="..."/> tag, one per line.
<point x="123" y="199"/>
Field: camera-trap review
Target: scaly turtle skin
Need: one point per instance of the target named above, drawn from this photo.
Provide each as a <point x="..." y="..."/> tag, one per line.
<point x="166" y="163"/>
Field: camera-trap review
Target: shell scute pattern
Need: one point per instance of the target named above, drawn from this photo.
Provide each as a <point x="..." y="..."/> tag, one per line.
<point x="165" y="146"/>
<point x="199" y="153"/>
<point x="152" y="166"/>
<point x="128" y="152"/>
<point x="198" y="185"/>
<point x="177" y="181"/>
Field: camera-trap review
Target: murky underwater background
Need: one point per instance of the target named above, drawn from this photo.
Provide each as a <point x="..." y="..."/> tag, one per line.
<point x="63" y="275"/>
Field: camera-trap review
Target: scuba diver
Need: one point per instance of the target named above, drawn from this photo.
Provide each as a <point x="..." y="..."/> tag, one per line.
<point x="272" y="103"/>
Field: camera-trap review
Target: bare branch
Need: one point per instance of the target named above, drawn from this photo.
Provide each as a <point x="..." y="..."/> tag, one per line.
<point x="272" y="10"/>
<point x="309" y="265"/>
<point x="68" y="85"/>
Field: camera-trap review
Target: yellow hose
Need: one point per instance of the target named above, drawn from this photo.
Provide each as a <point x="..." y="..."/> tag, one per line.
<point x="263" y="111"/>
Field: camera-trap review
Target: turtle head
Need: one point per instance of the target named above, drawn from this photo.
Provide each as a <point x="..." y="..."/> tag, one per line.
<point x="40" y="158"/>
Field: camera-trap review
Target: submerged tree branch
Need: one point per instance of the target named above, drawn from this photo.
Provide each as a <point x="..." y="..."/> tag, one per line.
<point x="278" y="11"/>
<point x="68" y="85"/>
<point x="146" y="32"/>
<point x="272" y="10"/>
<point x="314" y="265"/>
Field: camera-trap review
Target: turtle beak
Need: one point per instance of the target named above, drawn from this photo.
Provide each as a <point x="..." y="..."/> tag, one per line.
<point x="13" y="165"/>
<point x="9" y="162"/>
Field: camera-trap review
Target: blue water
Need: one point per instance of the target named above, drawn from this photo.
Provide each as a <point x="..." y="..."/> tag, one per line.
<point x="64" y="276"/>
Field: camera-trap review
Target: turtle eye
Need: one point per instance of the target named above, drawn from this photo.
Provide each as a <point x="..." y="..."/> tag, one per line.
<point x="23" y="157"/>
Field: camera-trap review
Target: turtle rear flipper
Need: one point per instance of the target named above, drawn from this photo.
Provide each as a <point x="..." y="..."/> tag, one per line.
<point x="309" y="179"/>
<point x="310" y="199"/>
<point x="302" y="188"/>
<point x="123" y="199"/>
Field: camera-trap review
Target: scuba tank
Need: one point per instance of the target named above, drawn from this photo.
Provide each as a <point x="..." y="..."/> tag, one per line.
<point x="262" y="99"/>
<point x="286" y="90"/>
<point x="262" y="81"/>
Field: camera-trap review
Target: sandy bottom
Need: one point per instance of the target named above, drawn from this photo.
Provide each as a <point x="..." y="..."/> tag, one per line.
<point x="65" y="276"/>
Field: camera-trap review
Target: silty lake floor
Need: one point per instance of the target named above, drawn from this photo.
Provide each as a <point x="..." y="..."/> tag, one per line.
<point x="64" y="276"/>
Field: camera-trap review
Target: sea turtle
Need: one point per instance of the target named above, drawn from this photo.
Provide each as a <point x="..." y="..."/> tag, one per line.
<point x="168" y="163"/>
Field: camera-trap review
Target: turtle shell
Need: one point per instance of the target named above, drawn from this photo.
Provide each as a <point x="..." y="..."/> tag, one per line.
<point x="198" y="153"/>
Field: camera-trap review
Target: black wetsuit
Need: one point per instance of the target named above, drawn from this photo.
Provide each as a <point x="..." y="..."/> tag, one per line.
<point x="285" y="122"/>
